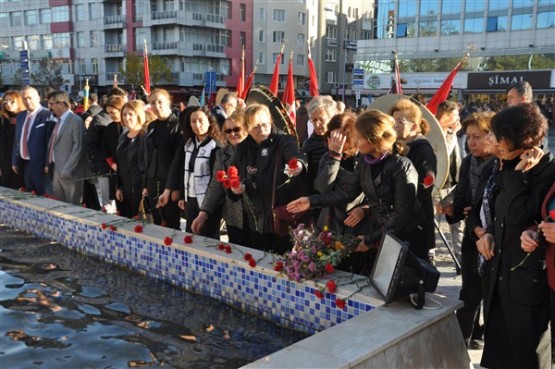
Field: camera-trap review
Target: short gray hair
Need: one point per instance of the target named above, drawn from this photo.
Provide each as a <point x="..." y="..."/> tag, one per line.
<point x="322" y="102"/>
<point x="523" y="88"/>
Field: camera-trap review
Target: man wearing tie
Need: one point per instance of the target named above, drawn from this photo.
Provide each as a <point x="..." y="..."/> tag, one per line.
<point x="31" y="142"/>
<point x="66" y="154"/>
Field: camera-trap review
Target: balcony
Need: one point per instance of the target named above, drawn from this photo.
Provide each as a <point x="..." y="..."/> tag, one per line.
<point x="187" y="18"/>
<point x="164" y="14"/>
<point x="114" y="21"/>
<point x="188" y="49"/>
<point x="110" y="78"/>
<point x="331" y="42"/>
<point x="115" y="48"/>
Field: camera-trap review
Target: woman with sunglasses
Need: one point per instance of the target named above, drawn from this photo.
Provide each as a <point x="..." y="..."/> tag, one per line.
<point x="12" y="105"/>
<point x="191" y="170"/>
<point x="235" y="218"/>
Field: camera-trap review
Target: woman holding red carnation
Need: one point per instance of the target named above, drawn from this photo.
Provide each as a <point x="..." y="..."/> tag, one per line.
<point x="264" y="152"/>
<point x="235" y="218"/>
<point x="192" y="168"/>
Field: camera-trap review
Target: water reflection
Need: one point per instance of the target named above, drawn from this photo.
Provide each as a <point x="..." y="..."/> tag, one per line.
<point x="84" y="313"/>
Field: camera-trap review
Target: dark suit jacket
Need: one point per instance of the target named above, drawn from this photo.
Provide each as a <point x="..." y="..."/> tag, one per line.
<point x="218" y="112"/>
<point x="39" y="138"/>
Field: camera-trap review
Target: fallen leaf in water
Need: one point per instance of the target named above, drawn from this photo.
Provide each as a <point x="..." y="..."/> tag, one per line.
<point x="189" y="337"/>
<point x="208" y="327"/>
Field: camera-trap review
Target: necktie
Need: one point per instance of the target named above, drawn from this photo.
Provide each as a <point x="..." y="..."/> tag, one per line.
<point x="53" y="141"/>
<point x="24" y="137"/>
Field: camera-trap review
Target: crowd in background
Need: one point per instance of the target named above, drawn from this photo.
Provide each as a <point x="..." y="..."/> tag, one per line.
<point x="362" y="174"/>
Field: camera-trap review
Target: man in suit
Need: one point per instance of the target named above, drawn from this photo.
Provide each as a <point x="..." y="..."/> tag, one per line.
<point x="225" y="109"/>
<point x="30" y="149"/>
<point x="66" y="155"/>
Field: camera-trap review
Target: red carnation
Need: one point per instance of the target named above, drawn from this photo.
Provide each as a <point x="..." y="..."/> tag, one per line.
<point x="340" y="303"/>
<point x="33" y="192"/>
<point x="247" y="256"/>
<point x="168" y="241"/>
<point x="293" y="164"/>
<point x="103" y="226"/>
<point x="227" y="249"/>
<point x="329" y="268"/>
<point x="188" y="239"/>
<point x="113" y="227"/>
<point x="234" y="183"/>
<point x="84" y="205"/>
<point x="138" y="228"/>
<point x="220" y="175"/>
<point x="221" y="246"/>
<point x="252" y="263"/>
<point x="279" y="266"/>
<point x="331" y="286"/>
<point x="428" y="181"/>
<point x="318" y="294"/>
<point x="552" y="215"/>
<point x="226" y="183"/>
<point x="232" y="172"/>
<point x="22" y="189"/>
<point x="103" y="210"/>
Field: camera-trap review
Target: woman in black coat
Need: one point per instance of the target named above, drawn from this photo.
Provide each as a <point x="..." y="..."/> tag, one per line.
<point x="264" y="152"/>
<point x="163" y="141"/>
<point x="516" y="308"/>
<point x="12" y="104"/>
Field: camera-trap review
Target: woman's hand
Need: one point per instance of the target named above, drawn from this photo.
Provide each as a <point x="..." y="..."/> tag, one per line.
<point x="239" y="189"/>
<point x="479" y="232"/>
<point x="447" y="209"/>
<point x="362" y="246"/>
<point x="164" y="198"/>
<point x="119" y="195"/>
<point x="299" y="205"/>
<point x="485" y="245"/>
<point x="114" y="167"/>
<point x="529" y="158"/>
<point x="354" y="217"/>
<point x="175" y="195"/>
<point x="295" y="171"/>
<point x="528" y="240"/>
<point x="548" y="229"/>
<point x="199" y="221"/>
<point x="181" y="204"/>
<point x="145" y="192"/>
<point x="336" y="141"/>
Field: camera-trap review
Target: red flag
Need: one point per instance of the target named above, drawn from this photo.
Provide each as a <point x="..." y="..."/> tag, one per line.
<point x="288" y="97"/>
<point x="248" y="85"/>
<point x="443" y="92"/>
<point x="396" y="87"/>
<point x="146" y="69"/>
<point x="241" y="80"/>
<point x="275" y="77"/>
<point x="313" y="77"/>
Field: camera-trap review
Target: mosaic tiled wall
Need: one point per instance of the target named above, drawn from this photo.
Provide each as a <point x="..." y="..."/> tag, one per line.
<point x="198" y="267"/>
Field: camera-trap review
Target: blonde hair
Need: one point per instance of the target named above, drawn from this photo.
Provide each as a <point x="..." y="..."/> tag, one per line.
<point x="252" y="112"/>
<point x="414" y="114"/>
<point x="115" y="102"/>
<point x="378" y="129"/>
<point x="138" y="106"/>
<point x="482" y="120"/>
<point x="160" y="91"/>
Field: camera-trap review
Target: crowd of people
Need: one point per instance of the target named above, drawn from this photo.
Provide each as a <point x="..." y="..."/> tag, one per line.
<point x="362" y="175"/>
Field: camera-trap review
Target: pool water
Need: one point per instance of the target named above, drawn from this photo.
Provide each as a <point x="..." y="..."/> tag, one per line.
<point x="62" y="309"/>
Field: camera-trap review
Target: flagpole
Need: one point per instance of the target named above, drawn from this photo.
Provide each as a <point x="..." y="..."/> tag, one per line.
<point x="146" y="69"/>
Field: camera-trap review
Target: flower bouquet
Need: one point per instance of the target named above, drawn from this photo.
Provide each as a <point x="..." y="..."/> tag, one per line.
<point x="315" y="255"/>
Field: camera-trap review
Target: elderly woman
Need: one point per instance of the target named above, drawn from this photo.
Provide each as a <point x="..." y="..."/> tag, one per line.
<point x="411" y="129"/>
<point x="235" y="218"/>
<point x="389" y="182"/>
<point x="163" y="142"/>
<point x="320" y="110"/>
<point x="516" y="300"/>
<point x="12" y="104"/>
<point x="129" y="155"/>
<point x="261" y="159"/>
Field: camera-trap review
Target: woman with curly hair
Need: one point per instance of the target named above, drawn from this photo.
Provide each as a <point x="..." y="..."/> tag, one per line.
<point x="191" y="170"/>
<point x="12" y="105"/>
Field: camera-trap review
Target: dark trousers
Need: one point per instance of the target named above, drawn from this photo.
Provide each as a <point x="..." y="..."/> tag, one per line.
<point x="129" y="207"/>
<point x="240" y="236"/>
<point x="90" y="196"/>
<point x="471" y="292"/>
<point x="35" y="179"/>
<point x="169" y="215"/>
<point x="271" y="242"/>
<point x="212" y="225"/>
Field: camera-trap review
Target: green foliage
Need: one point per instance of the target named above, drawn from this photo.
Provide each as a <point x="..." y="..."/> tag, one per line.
<point x="518" y="62"/>
<point x="49" y="74"/>
<point x="133" y="73"/>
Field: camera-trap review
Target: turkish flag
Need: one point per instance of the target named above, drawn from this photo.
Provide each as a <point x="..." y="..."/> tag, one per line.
<point x="288" y="97"/>
<point x="443" y="92"/>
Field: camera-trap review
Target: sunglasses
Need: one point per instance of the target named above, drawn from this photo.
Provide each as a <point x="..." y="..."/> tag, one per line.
<point x="229" y="130"/>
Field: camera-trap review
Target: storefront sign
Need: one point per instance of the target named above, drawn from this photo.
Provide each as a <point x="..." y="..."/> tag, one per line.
<point x="503" y="80"/>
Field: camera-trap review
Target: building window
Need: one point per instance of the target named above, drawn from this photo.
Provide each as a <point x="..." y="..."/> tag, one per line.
<point x="92" y="11"/>
<point x="61" y="40"/>
<point x="546" y="20"/>
<point x="31" y="17"/>
<point x="47" y="42"/>
<point x="522" y="3"/>
<point x="79" y="14"/>
<point x="407" y="8"/>
<point x="279" y="15"/>
<point x="330" y="77"/>
<point x="82" y="66"/>
<point x="60" y="14"/>
<point x="429" y="7"/>
<point x="15" y="19"/>
<point x="274" y="58"/>
<point x="93" y="38"/>
<point x="428" y="29"/>
<point x="261" y="58"/>
<point x="331" y="32"/>
<point x="243" y="12"/>
<point x="473" y="25"/>
<point x="243" y="39"/>
<point x="521" y="22"/>
<point x="474" y="6"/>
<point x="279" y="36"/>
<point x="331" y="55"/>
<point x="262" y="14"/>
<point x="17" y="42"/>
<point x="366" y="35"/>
<point x="451" y="7"/>
<point x="33" y="42"/>
<point x="302" y="18"/>
<point x="451" y="27"/>
<point x="4" y="43"/>
<point x="300" y="60"/>
<point x="94" y="63"/>
<point x="226" y="9"/>
<point x="401" y="30"/>
<point x="45" y="16"/>
<point x="80" y="36"/>
<point x="498" y="5"/>
<point x="301" y="40"/>
<point x="261" y="36"/>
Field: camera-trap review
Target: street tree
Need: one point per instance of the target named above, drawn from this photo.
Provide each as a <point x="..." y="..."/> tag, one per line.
<point x="48" y="74"/>
<point x="133" y="71"/>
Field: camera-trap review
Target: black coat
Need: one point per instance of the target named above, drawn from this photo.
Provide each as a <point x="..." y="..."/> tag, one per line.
<point x="94" y="142"/>
<point x="314" y="147"/>
<point x="516" y="301"/>
<point x="256" y="164"/>
<point x="163" y="142"/>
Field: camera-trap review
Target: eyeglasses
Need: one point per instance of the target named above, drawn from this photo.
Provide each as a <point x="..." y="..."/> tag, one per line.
<point x="402" y="121"/>
<point x="261" y="125"/>
<point x="235" y="130"/>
